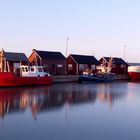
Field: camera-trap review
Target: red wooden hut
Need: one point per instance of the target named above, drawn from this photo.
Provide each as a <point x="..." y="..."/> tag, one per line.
<point x="11" y="61"/>
<point x="54" y="62"/>
<point x="119" y="66"/>
<point x="77" y="64"/>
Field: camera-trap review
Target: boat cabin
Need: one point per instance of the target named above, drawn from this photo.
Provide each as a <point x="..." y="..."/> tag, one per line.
<point x="32" y="71"/>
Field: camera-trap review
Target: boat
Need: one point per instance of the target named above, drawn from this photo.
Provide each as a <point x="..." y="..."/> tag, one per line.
<point x="96" y="78"/>
<point x="26" y="76"/>
<point x="134" y="72"/>
<point x="102" y="76"/>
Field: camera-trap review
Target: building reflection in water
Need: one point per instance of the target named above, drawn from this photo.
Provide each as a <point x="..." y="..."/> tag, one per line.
<point x="14" y="100"/>
<point x="110" y="93"/>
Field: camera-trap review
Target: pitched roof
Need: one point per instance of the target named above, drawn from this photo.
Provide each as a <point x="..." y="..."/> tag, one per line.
<point x="84" y="59"/>
<point x="10" y="56"/>
<point x="116" y="60"/>
<point x="50" y="55"/>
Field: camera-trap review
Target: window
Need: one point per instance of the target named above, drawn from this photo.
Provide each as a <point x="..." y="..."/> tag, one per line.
<point x="23" y="70"/>
<point x="32" y="69"/>
<point x="70" y="67"/>
<point x="122" y="65"/>
<point x="81" y="67"/>
<point x="85" y="66"/>
<point x="40" y="70"/>
<point x="26" y="69"/>
<point x="59" y="65"/>
<point x="16" y="65"/>
<point x="93" y="67"/>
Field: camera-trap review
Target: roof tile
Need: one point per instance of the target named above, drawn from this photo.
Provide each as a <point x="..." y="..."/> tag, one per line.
<point x="10" y="56"/>
<point x="84" y="59"/>
<point x="50" y="55"/>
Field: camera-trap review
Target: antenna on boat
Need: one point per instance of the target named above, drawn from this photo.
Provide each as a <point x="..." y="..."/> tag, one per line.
<point x="2" y="60"/>
<point x="110" y="64"/>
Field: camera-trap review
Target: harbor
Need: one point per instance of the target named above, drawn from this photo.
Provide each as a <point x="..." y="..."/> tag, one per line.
<point x="71" y="111"/>
<point x="48" y="67"/>
<point x="74" y="78"/>
<point x="69" y="70"/>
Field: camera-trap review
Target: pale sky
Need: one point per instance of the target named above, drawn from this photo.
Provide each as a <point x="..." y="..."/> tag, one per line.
<point x="99" y="27"/>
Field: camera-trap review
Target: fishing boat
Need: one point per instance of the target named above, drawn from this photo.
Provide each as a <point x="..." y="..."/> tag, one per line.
<point x="15" y="71"/>
<point x="102" y="76"/>
<point x="96" y="78"/>
<point x="134" y="72"/>
<point x="26" y="76"/>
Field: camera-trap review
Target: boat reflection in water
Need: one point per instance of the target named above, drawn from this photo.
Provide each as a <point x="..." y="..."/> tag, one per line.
<point x="71" y="111"/>
<point x="41" y="99"/>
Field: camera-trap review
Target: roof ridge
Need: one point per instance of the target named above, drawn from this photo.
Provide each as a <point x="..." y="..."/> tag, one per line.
<point x="47" y="51"/>
<point x="15" y="52"/>
<point x="83" y="55"/>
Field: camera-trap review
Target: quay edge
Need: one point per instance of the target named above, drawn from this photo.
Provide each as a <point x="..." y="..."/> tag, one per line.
<point x="74" y="78"/>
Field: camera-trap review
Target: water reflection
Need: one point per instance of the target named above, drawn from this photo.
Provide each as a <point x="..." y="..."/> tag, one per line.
<point x="41" y="99"/>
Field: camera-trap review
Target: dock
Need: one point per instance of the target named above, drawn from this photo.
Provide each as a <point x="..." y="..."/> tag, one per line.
<point x="74" y="78"/>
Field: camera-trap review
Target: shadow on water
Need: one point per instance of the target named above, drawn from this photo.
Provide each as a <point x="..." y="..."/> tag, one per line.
<point x="43" y="99"/>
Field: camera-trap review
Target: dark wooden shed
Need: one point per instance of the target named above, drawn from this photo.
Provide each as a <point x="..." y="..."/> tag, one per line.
<point x="77" y="64"/>
<point x="54" y="62"/>
<point x="11" y="61"/>
<point x="119" y="66"/>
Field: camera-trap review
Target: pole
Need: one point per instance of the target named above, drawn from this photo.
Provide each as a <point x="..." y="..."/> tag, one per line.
<point x="67" y="39"/>
<point x="124" y="52"/>
<point x="124" y="60"/>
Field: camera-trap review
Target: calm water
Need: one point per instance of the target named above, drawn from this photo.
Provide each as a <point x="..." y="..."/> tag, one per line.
<point x="71" y="112"/>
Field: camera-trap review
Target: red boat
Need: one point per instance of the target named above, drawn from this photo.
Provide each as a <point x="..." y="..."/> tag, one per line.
<point x="26" y="76"/>
<point x="134" y="73"/>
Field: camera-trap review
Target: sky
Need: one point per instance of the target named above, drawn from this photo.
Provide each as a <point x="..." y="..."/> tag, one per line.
<point x="94" y="27"/>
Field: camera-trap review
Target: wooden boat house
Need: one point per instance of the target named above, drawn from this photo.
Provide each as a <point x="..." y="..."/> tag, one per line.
<point x="53" y="62"/>
<point x="118" y="65"/>
<point x="77" y="64"/>
<point x="11" y="61"/>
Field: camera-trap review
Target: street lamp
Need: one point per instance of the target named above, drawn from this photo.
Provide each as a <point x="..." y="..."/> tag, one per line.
<point x="125" y="71"/>
<point x="124" y="47"/>
<point x="67" y="39"/>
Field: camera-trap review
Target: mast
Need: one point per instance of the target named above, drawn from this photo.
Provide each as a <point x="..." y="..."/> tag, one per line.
<point x="2" y="61"/>
<point x="110" y="64"/>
